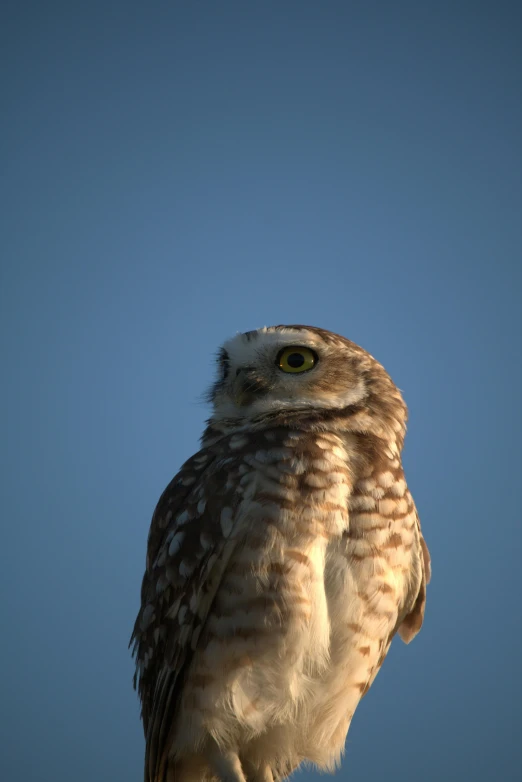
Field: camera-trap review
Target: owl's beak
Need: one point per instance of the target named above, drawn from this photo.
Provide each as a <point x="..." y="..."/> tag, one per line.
<point x="242" y="398"/>
<point x="242" y="395"/>
<point x="247" y="385"/>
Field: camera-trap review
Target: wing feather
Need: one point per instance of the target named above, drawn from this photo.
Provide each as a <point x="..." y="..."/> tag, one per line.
<point x="412" y="622"/>
<point x="187" y="554"/>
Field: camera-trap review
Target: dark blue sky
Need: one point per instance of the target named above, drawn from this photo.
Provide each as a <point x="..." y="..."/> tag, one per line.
<point x="174" y="172"/>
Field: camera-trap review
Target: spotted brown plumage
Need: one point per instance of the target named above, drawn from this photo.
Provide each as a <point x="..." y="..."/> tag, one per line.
<point x="282" y="559"/>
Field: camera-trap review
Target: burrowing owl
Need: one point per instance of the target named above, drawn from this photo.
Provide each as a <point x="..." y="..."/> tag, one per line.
<point x="282" y="559"/>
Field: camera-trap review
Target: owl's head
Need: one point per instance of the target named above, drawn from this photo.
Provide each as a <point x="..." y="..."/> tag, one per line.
<point x="291" y="369"/>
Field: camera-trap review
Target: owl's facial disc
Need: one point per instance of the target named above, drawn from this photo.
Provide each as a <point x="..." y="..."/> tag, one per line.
<point x="285" y="368"/>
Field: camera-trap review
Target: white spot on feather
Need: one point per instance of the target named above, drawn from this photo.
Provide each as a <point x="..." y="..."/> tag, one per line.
<point x="173" y="610"/>
<point x="183" y="518"/>
<point x="147" y="616"/>
<point x="161" y="584"/>
<point x="206" y="540"/>
<point x="226" y="521"/>
<point x="161" y="558"/>
<point x="175" y="543"/>
<point x="237" y="441"/>
<point x="186" y="568"/>
<point x="399" y="488"/>
<point x="193" y="602"/>
<point x="386" y="479"/>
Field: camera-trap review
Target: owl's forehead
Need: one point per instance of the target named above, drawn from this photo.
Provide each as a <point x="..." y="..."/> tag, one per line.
<point x="245" y="347"/>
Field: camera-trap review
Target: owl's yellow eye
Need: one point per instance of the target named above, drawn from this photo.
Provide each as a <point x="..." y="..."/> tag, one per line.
<point x="296" y="359"/>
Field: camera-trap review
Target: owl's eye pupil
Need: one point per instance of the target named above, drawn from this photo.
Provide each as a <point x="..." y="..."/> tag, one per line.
<point x="295" y="360"/>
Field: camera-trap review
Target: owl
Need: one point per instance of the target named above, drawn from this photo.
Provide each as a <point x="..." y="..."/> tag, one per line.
<point x="281" y="561"/>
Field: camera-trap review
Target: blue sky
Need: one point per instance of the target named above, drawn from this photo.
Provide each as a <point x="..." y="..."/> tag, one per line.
<point x="174" y="172"/>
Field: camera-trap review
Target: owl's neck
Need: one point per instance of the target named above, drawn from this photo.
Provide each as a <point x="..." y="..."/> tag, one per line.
<point x="358" y="418"/>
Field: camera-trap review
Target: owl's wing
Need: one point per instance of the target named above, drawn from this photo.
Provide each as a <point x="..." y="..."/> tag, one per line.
<point x="188" y="549"/>
<point x="412" y="622"/>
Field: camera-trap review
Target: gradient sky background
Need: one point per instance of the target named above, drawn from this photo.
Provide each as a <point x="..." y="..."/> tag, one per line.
<point x="174" y="172"/>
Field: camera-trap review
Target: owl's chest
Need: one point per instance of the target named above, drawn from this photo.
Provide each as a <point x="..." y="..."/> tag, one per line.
<point x="273" y="596"/>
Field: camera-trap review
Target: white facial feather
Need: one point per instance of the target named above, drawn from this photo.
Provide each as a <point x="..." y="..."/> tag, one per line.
<point x="260" y="352"/>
